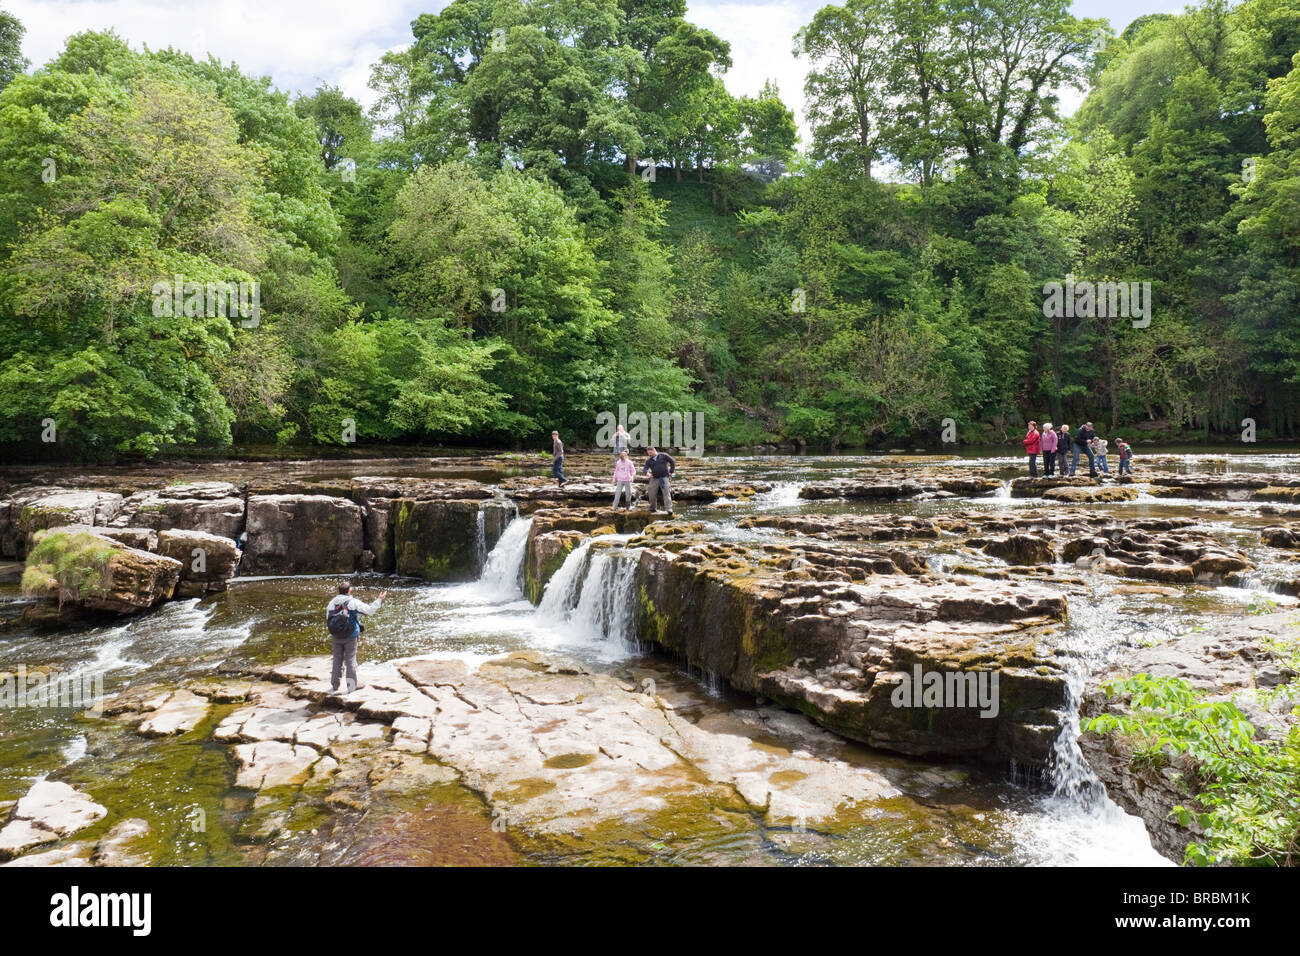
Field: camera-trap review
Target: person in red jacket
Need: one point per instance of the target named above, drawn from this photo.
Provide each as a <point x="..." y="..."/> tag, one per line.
<point x="1033" y="445"/>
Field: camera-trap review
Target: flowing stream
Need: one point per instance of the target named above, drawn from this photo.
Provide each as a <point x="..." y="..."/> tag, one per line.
<point x="949" y="813"/>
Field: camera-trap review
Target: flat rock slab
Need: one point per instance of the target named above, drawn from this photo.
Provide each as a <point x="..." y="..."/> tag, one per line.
<point x="48" y="812"/>
<point x="550" y="746"/>
<point x="179" y="714"/>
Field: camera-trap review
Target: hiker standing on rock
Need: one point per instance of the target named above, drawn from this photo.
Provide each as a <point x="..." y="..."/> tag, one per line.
<point x="1083" y="443"/>
<point x="620" y="443"/>
<point x="557" y="463"/>
<point x="1032" y="443"/>
<point x="660" y="466"/>
<point x="624" y="474"/>
<point x="1125" y="457"/>
<point x="1063" y="451"/>
<point x="1099" y="453"/>
<point x="345" y="629"/>
<point x="1048" y="444"/>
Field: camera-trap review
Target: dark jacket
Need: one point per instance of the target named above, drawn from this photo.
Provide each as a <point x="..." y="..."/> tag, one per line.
<point x="1084" y="435"/>
<point x="661" y="465"/>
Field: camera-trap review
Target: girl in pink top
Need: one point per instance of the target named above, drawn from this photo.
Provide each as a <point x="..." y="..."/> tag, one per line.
<point x="624" y="472"/>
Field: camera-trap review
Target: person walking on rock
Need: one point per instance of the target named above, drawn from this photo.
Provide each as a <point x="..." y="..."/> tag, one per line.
<point x="1099" y="453"/>
<point x="1048" y="444"/>
<point x="1032" y="443"/>
<point x="620" y="442"/>
<point x="341" y="618"/>
<point x="1125" y="457"/>
<point x="660" y="466"/>
<point x="624" y="474"/>
<point x="1083" y="443"/>
<point x="557" y="463"/>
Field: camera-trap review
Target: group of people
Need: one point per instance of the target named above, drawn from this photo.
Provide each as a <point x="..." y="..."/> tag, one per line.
<point x="1061" y="450"/>
<point x="659" y="468"/>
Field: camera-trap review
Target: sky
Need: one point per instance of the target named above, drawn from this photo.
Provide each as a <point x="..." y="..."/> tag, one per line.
<point x="303" y="44"/>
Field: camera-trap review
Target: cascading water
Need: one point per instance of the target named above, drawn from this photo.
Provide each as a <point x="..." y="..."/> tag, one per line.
<point x="480" y="541"/>
<point x="565" y="585"/>
<point x="605" y="607"/>
<point x="589" y="600"/>
<point x="503" y="569"/>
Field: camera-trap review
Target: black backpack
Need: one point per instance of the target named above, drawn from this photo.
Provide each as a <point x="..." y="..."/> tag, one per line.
<point x="339" y="621"/>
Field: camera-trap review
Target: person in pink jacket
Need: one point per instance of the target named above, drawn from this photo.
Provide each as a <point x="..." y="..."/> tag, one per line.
<point x="1033" y="442"/>
<point x="624" y="472"/>
<point x="1048" y="444"/>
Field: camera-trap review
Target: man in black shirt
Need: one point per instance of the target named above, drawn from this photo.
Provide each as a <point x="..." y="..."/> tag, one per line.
<point x="660" y="466"/>
<point x="1083" y="443"/>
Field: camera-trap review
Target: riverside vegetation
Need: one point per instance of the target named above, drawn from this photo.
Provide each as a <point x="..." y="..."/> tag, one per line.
<point x="648" y="239"/>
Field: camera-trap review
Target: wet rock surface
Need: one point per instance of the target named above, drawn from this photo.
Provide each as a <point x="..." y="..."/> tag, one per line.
<point x="1230" y="662"/>
<point x="835" y="632"/>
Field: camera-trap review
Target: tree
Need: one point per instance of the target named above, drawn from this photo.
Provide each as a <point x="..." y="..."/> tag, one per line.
<point x="342" y="129"/>
<point x="849" y="55"/>
<point x="12" y="61"/>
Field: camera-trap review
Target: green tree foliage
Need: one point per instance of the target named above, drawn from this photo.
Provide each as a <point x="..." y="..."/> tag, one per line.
<point x="555" y="207"/>
<point x="12" y="61"/>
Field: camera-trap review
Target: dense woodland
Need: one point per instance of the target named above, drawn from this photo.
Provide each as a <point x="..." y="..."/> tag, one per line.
<point x="555" y="207"/>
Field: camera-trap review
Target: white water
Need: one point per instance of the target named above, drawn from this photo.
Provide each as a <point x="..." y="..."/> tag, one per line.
<point x="480" y="540"/>
<point x="503" y="569"/>
<point x="1079" y="823"/>
<point x="589" y="603"/>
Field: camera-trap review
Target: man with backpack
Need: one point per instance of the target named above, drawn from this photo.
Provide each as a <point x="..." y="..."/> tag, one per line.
<point x="345" y="630"/>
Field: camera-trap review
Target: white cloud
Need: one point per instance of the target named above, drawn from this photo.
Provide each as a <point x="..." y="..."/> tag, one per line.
<point x="301" y="44"/>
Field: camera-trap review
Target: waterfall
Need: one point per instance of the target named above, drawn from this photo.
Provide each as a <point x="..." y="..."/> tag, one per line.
<point x="563" y="589"/>
<point x="591" y="598"/>
<point x="1073" y="782"/>
<point x="480" y="541"/>
<point x="605" y="609"/>
<point x="503" y="569"/>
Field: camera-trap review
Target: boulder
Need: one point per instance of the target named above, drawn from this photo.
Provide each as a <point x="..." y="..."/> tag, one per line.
<point x="208" y="561"/>
<point x="835" y="634"/>
<point x="36" y="509"/>
<point x="48" y="812"/>
<point x="1281" y="537"/>
<point x="1024" y="549"/>
<point x="1102" y="493"/>
<point x="74" y="571"/>
<point x="438" y="540"/>
<point x="302" y="534"/>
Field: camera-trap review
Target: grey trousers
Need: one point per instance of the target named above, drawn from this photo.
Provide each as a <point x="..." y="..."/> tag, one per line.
<point x="345" y="651"/>
<point x="658" y="485"/>
<point x="621" y="488"/>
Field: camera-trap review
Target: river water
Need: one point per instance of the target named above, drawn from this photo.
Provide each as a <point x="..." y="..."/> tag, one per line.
<point x="949" y="813"/>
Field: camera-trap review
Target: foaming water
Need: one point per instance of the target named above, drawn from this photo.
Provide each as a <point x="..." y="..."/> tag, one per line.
<point x="589" y="604"/>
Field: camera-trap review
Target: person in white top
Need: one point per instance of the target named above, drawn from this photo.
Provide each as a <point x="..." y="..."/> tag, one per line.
<point x="341" y="617"/>
<point x="1099" y="452"/>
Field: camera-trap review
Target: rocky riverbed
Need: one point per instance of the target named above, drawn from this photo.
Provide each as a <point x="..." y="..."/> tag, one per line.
<point x="553" y="680"/>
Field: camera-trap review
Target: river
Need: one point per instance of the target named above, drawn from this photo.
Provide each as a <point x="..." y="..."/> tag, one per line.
<point x="947" y="813"/>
